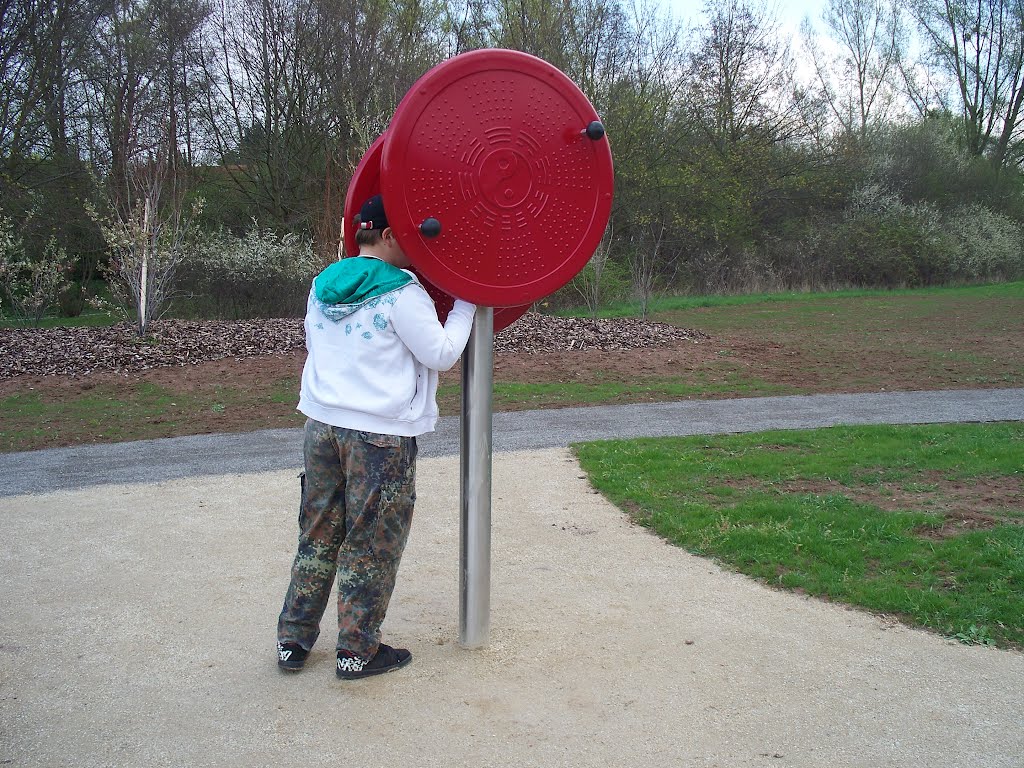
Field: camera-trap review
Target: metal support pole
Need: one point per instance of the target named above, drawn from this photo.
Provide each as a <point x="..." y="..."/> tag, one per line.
<point x="475" y="476"/>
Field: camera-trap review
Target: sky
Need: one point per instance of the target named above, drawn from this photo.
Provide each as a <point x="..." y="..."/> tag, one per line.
<point x="789" y="12"/>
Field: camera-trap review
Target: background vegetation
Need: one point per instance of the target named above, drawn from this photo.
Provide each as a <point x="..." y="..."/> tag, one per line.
<point x="194" y="155"/>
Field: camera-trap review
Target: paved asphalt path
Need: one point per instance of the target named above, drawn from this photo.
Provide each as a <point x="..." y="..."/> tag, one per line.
<point x="151" y="461"/>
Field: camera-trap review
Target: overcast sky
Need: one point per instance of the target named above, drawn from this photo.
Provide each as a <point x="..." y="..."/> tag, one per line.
<point x="789" y="12"/>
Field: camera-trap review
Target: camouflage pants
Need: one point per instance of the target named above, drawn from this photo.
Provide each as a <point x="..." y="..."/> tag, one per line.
<point x="358" y="493"/>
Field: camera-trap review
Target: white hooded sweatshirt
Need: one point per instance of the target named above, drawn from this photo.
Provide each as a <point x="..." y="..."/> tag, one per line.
<point x="374" y="350"/>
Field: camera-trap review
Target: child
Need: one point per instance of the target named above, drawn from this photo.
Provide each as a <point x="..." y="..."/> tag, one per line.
<point x="369" y="385"/>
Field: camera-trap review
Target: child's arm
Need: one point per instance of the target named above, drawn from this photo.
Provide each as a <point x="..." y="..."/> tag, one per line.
<point x="437" y="346"/>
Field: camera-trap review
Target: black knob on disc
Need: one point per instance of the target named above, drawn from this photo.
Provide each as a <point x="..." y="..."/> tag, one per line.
<point x="595" y="130"/>
<point x="430" y="227"/>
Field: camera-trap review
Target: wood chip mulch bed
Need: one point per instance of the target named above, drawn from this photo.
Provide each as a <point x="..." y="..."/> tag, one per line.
<point x="81" y="351"/>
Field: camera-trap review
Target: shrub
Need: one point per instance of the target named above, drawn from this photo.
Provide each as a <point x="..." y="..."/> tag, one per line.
<point x="597" y="284"/>
<point x="881" y="241"/>
<point x="31" y="286"/>
<point x="796" y="259"/>
<point x="261" y="274"/>
<point x="989" y="245"/>
<point x="148" y="243"/>
<point x="72" y="300"/>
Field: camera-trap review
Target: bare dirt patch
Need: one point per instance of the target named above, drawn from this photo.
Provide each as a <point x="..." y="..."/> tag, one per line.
<point x="978" y="504"/>
<point x="912" y="342"/>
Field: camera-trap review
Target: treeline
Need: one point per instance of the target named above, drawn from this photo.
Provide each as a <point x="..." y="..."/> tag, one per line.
<point x="202" y="149"/>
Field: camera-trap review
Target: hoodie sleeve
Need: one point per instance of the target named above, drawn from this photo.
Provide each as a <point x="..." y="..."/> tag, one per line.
<point x="415" y="321"/>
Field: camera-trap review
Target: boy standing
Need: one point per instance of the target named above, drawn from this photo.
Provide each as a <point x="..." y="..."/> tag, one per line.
<point x="369" y="387"/>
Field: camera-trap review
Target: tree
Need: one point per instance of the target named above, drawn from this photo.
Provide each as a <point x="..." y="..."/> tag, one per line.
<point x="181" y="64"/>
<point x="537" y="27"/>
<point x="740" y="80"/>
<point x="980" y="46"/>
<point x="301" y="87"/>
<point x="592" y="283"/>
<point x="858" y="83"/>
<point x="742" y="118"/>
<point x="466" y="25"/>
<point x="149" y="237"/>
<point x="45" y="124"/>
<point x="638" y="86"/>
<point x="44" y="45"/>
<point x="31" y="285"/>
<point x="20" y="88"/>
<point x="645" y="261"/>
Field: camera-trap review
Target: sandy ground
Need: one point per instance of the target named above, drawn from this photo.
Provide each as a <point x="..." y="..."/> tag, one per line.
<point x="138" y="630"/>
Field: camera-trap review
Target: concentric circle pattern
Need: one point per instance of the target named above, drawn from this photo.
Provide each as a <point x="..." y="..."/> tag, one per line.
<point x="493" y="145"/>
<point x="365" y="183"/>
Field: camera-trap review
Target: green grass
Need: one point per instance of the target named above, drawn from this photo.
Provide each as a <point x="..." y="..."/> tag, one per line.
<point x="285" y="391"/>
<point x="139" y="410"/>
<point x="555" y="394"/>
<point x="682" y="303"/>
<point x="105" y="412"/>
<point x="742" y="500"/>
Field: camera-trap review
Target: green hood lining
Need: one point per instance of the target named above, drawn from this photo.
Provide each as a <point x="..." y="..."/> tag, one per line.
<point x="356" y="279"/>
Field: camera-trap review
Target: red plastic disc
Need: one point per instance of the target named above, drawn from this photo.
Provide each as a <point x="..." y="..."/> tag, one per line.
<point x="365" y="184"/>
<point x="493" y="145"/>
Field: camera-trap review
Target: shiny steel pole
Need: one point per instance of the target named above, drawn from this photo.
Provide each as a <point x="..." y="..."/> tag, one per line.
<point x="475" y="476"/>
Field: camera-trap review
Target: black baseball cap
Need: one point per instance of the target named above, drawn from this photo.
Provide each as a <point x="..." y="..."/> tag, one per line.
<point x="371" y="215"/>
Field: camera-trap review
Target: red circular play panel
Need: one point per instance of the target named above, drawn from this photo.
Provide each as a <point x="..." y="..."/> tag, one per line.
<point x="497" y="177"/>
<point x="365" y="184"/>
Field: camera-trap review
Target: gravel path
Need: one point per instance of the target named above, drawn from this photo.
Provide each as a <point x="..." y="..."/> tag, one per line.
<point x="139" y="628"/>
<point x="143" y="589"/>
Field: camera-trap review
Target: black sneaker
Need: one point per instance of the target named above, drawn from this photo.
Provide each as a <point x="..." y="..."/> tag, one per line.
<point x="387" y="659"/>
<point x="291" y="657"/>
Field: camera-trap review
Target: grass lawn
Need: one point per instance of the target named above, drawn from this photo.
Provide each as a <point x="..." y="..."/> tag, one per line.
<point x="141" y="410"/>
<point x="925" y="523"/>
<point x="669" y="304"/>
<point x="523" y="395"/>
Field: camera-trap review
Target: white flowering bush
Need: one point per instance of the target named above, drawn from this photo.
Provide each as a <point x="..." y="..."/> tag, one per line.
<point x="262" y="274"/>
<point x="990" y="246"/>
<point x="31" y="286"/>
<point x="882" y="241"/>
<point x="12" y="250"/>
<point x="874" y="200"/>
